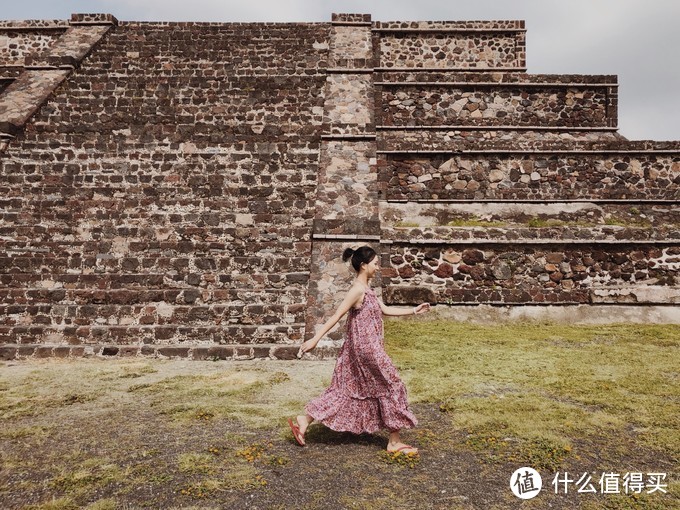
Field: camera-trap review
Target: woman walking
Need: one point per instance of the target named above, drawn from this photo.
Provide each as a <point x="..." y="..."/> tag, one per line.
<point x="366" y="393"/>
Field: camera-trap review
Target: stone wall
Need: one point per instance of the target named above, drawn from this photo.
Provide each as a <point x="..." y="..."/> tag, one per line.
<point x="529" y="273"/>
<point x="518" y="104"/>
<point x="507" y="189"/>
<point x="534" y="176"/>
<point x="163" y="195"/>
<point x="187" y="189"/>
<point x="16" y="44"/>
<point x="451" y="45"/>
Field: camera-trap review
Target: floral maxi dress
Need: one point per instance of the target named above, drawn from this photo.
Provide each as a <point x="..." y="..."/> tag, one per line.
<point x="366" y="393"/>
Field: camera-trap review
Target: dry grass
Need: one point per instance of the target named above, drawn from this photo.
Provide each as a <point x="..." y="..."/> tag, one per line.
<point x="92" y="433"/>
<point x="571" y="380"/>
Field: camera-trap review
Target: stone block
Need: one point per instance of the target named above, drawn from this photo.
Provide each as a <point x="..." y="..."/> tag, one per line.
<point x="173" y="351"/>
<point x="129" y="351"/>
<point x="8" y="352"/>
<point x="93" y="19"/>
<point x="110" y="350"/>
<point x="78" y="351"/>
<point x="25" y="351"/>
<point x="244" y="353"/>
<point x="199" y="353"/>
<point x="406" y="295"/>
<point x="43" y="351"/>
<point x="147" y="350"/>
<point x="61" y="351"/>
<point x="286" y="352"/>
<point x="260" y="351"/>
<point x="220" y="352"/>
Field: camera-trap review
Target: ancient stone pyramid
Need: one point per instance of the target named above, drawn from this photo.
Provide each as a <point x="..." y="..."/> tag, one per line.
<point x="187" y="189"/>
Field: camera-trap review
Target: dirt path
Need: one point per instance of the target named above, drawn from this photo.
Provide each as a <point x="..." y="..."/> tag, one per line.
<point x="181" y="434"/>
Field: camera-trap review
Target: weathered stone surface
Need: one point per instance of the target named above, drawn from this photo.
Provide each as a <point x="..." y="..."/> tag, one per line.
<point x="287" y="352"/>
<point x="458" y="50"/>
<point x="451" y="256"/>
<point x="554" y="258"/>
<point x="472" y="256"/>
<point x="499" y="278"/>
<point x="586" y="106"/>
<point x="496" y="176"/>
<point x="444" y="271"/>
<point x="187" y="189"/>
<point x="569" y="176"/>
<point x="501" y="271"/>
<point x="409" y="295"/>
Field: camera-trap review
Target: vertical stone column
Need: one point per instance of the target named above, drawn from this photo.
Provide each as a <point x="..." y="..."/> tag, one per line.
<point x="347" y="194"/>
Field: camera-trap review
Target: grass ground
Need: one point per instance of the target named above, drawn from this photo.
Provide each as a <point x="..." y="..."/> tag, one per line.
<point x="146" y="433"/>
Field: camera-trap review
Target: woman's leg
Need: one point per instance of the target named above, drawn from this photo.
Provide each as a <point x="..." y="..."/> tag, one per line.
<point x="394" y="444"/>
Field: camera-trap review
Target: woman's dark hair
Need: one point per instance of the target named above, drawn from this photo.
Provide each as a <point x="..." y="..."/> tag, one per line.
<point x="359" y="256"/>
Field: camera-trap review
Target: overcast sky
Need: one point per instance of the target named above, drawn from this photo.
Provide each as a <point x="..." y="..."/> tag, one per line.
<point x="637" y="40"/>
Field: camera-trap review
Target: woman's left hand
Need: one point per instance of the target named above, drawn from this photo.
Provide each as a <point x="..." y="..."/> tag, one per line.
<point x="422" y="308"/>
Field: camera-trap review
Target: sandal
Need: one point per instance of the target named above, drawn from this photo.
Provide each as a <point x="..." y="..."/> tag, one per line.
<point x="296" y="432"/>
<point x="406" y="446"/>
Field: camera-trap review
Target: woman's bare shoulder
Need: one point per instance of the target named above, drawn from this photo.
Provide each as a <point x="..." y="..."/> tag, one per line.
<point x="362" y="287"/>
<point x="356" y="294"/>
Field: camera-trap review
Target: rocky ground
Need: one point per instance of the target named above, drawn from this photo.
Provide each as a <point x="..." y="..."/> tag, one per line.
<point x="179" y="434"/>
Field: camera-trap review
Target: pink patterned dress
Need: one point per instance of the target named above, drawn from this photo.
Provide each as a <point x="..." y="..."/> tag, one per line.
<point x="366" y="393"/>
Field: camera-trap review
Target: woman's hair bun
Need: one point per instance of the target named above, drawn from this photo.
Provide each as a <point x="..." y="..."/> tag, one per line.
<point x="362" y="255"/>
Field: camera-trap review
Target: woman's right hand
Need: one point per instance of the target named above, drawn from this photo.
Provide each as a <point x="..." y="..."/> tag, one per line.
<point x="307" y="346"/>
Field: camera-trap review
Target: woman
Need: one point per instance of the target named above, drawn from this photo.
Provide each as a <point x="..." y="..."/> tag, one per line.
<point x="366" y="393"/>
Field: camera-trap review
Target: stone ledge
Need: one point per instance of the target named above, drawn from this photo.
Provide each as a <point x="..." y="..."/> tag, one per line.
<point x="530" y="201"/>
<point x="490" y="76"/>
<point x="529" y="242"/>
<point x="33" y="26"/>
<point x="25" y="95"/>
<point x="367" y="24"/>
<point x="44" y="73"/>
<point x="345" y="237"/>
<point x="464" y="127"/>
<point x="350" y="18"/>
<point x="641" y="296"/>
<point x="571" y="314"/>
<point x="533" y="151"/>
<point x="93" y="19"/>
<point x="349" y="70"/>
<point x="503" y="25"/>
<point x="447" y="30"/>
<point x="532" y="235"/>
<point x="366" y="136"/>
<point x="653" y="294"/>
<point x="468" y="70"/>
<point x="193" y="352"/>
<point x="546" y="84"/>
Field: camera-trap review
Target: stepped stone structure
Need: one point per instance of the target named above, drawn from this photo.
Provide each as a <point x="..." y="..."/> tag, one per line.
<point x="187" y="189"/>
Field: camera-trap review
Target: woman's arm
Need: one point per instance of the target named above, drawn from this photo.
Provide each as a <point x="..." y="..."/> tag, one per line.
<point x="350" y="300"/>
<point x="396" y="311"/>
